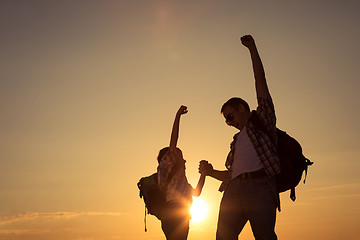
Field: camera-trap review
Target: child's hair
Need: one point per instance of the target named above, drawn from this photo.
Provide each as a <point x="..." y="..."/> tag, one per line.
<point x="162" y="153"/>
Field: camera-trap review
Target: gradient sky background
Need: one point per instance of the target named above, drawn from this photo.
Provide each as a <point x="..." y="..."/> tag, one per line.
<point x="89" y="90"/>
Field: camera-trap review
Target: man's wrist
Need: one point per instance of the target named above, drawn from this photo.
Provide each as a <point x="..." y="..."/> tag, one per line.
<point x="211" y="172"/>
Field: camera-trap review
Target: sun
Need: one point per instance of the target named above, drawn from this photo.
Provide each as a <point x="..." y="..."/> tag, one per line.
<point x="198" y="210"/>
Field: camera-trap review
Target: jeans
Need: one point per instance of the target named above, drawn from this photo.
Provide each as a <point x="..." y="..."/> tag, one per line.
<point x="253" y="200"/>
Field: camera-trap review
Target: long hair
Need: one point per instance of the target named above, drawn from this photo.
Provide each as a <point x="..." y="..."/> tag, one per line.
<point x="162" y="152"/>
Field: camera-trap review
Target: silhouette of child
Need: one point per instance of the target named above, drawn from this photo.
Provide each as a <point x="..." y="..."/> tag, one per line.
<point x="173" y="182"/>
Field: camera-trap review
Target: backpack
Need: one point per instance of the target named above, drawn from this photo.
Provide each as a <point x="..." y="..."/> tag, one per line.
<point x="154" y="198"/>
<point x="292" y="161"/>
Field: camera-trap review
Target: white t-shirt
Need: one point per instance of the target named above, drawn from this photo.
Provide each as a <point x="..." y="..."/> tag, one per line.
<point x="245" y="156"/>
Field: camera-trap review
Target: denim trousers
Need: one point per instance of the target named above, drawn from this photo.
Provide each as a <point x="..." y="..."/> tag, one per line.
<point x="254" y="200"/>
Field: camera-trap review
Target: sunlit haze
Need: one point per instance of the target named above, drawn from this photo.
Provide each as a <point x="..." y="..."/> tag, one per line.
<point x="89" y="90"/>
<point x="199" y="210"/>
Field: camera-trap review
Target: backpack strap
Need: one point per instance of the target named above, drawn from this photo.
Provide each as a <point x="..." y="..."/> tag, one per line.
<point x="292" y="194"/>
<point x="308" y="163"/>
<point x="145" y="220"/>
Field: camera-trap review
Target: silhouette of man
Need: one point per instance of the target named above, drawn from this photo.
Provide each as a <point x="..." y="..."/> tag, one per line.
<point x="248" y="183"/>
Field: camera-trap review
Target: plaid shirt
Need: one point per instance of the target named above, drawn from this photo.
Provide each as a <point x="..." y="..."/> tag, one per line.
<point x="178" y="188"/>
<point x="264" y="146"/>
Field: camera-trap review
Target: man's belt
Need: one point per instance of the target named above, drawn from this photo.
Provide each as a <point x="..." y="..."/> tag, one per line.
<point x="257" y="174"/>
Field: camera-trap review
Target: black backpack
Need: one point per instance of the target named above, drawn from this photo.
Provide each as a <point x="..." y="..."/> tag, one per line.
<point x="154" y="198"/>
<point x="292" y="161"/>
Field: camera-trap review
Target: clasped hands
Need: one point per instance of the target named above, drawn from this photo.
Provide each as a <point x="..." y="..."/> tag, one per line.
<point x="205" y="167"/>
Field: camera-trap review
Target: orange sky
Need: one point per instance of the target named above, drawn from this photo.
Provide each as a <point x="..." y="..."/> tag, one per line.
<point x="89" y="89"/>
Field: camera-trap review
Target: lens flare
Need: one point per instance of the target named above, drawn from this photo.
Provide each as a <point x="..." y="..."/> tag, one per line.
<point x="198" y="210"/>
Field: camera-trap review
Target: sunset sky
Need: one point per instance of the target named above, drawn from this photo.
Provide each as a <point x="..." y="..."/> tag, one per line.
<point x="89" y="90"/>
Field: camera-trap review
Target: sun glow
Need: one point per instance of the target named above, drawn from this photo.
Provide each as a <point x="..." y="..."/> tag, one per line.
<point x="198" y="210"/>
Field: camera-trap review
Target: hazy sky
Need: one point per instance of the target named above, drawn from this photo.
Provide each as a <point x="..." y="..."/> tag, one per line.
<point x="89" y="90"/>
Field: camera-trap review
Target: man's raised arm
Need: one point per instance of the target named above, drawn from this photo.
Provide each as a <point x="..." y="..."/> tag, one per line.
<point x="259" y="73"/>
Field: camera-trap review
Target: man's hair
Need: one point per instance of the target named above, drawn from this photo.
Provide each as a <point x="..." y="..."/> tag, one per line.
<point x="235" y="102"/>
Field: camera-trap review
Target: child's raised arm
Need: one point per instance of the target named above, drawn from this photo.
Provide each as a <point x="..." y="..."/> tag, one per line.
<point x="175" y="129"/>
